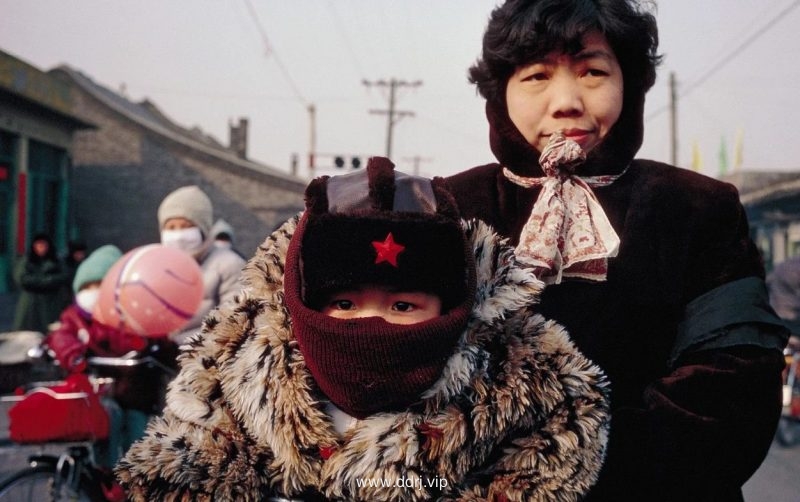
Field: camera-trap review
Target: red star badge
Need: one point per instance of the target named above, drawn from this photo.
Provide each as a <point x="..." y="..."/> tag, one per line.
<point x="387" y="250"/>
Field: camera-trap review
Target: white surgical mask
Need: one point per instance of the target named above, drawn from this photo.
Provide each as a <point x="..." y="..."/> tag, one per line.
<point x="223" y="244"/>
<point x="186" y="239"/>
<point x="87" y="299"/>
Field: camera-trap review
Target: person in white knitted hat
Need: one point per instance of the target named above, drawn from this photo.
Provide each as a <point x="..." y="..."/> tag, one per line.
<point x="185" y="218"/>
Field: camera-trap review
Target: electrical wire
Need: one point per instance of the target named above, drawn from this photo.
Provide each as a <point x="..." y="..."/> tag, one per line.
<point x="727" y="59"/>
<point x="340" y="27"/>
<point x="739" y="49"/>
<point x="269" y="51"/>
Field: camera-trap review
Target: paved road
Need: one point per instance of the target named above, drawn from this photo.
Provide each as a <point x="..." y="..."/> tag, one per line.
<point x="778" y="479"/>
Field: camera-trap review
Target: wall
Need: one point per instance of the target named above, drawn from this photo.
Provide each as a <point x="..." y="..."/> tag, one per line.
<point x="123" y="170"/>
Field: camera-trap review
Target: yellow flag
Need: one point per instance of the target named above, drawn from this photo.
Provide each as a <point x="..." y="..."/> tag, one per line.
<point x="737" y="149"/>
<point x="697" y="158"/>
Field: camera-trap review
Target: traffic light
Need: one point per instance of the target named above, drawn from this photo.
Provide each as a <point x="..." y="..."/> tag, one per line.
<point x="339" y="162"/>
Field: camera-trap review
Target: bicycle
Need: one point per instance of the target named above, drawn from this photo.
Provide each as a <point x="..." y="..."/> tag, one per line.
<point x="75" y="473"/>
<point x="788" y="433"/>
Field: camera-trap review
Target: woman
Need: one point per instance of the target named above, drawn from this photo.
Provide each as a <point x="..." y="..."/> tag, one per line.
<point x="651" y="268"/>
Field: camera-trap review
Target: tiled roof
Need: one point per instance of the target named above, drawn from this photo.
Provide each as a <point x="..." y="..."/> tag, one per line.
<point x="756" y="187"/>
<point x="148" y="115"/>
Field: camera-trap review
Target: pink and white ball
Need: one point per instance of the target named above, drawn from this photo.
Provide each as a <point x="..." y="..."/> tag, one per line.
<point x="151" y="291"/>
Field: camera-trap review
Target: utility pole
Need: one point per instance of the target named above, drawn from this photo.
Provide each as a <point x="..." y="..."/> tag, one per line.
<point x="673" y="119"/>
<point x="394" y="115"/>
<point x="416" y="160"/>
<point x="312" y="147"/>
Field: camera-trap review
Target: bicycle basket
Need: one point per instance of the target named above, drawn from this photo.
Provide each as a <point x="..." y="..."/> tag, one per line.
<point x="68" y="411"/>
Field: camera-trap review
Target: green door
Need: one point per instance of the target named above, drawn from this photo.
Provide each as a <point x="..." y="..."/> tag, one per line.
<point x="47" y="195"/>
<point x="7" y="173"/>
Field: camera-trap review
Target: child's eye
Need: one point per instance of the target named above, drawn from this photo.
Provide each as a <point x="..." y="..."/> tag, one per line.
<point x="403" y="306"/>
<point x="342" y="305"/>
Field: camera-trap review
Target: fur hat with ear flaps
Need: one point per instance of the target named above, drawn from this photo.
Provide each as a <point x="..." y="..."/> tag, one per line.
<point x="386" y="228"/>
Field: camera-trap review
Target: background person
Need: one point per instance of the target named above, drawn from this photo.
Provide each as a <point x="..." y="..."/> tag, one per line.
<point x="784" y="295"/>
<point x="138" y="393"/>
<point x="185" y="218"/>
<point x="650" y="267"/>
<point x="408" y="351"/>
<point x="43" y="280"/>
<point x="222" y="232"/>
<point x="77" y="251"/>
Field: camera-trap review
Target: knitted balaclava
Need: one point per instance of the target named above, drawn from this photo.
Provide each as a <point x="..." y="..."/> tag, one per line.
<point x="95" y="266"/>
<point x="188" y="202"/>
<point x="377" y="227"/>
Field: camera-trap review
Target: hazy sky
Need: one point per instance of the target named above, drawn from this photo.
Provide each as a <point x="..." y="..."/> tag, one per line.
<point x="207" y="62"/>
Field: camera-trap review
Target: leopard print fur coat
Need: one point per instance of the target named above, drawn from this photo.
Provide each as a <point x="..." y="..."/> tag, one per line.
<point x="518" y="413"/>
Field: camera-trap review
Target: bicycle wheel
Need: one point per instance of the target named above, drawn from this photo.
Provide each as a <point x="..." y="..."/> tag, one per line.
<point x="788" y="433"/>
<point x="36" y="484"/>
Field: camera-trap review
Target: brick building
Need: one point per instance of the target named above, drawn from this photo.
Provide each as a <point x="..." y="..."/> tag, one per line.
<point x="37" y="127"/>
<point x="772" y="202"/>
<point x="122" y="170"/>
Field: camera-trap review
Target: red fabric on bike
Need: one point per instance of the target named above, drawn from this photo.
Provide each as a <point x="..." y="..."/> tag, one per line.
<point x="42" y="417"/>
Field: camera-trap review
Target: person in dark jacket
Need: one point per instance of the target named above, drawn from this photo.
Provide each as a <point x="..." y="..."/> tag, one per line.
<point x="784" y="293"/>
<point x="650" y="267"/>
<point x="43" y="280"/>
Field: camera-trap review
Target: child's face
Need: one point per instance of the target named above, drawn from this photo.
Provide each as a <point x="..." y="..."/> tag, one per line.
<point x="378" y="301"/>
<point x="580" y="94"/>
<point x="41" y="247"/>
<point x="178" y="223"/>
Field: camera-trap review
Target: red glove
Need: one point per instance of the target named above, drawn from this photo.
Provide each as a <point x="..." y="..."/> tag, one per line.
<point x="69" y="351"/>
<point x="121" y="343"/>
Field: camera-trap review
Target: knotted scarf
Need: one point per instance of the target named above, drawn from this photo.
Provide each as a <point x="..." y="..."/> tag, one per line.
<point x="567" y="233"/>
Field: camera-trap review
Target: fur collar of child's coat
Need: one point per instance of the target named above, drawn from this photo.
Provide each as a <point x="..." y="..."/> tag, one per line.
<point x="518" y="413"/>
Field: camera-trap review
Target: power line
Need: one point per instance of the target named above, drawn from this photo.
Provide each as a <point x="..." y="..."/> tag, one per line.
<point x="270" y="51"/>
<point x="343" y="33"/>
<point x="727" y="59"/>
<point x="739" y="49"/>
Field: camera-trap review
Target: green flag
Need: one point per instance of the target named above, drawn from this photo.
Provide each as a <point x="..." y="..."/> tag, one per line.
<point x="723" y="157"/>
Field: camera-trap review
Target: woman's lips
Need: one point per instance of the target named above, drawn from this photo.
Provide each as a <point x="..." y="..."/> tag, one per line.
<point x="580" y="136"/>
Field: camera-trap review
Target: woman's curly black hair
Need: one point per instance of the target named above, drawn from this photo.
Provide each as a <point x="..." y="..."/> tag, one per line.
<point x="521" y="31"/>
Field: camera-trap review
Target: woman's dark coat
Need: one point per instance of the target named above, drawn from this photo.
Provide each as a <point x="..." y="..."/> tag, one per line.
<point x="682" y="326"/>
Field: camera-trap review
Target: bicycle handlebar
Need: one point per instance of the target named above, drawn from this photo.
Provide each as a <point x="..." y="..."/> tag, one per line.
<point x="129" y="360"/>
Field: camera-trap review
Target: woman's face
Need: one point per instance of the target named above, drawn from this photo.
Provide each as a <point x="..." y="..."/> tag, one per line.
<point x="580" y="94"/>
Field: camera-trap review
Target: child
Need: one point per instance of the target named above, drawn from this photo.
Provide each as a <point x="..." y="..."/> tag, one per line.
<point x="382" y="350"/>
<point x="185" y="219"/>
<point x="137" y="392"/>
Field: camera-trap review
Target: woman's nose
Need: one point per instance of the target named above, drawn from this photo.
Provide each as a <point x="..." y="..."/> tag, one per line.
<point x="566" y="99"/>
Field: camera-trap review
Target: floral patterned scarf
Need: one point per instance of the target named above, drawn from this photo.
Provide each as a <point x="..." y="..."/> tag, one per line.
<point x="567" y="233"/>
